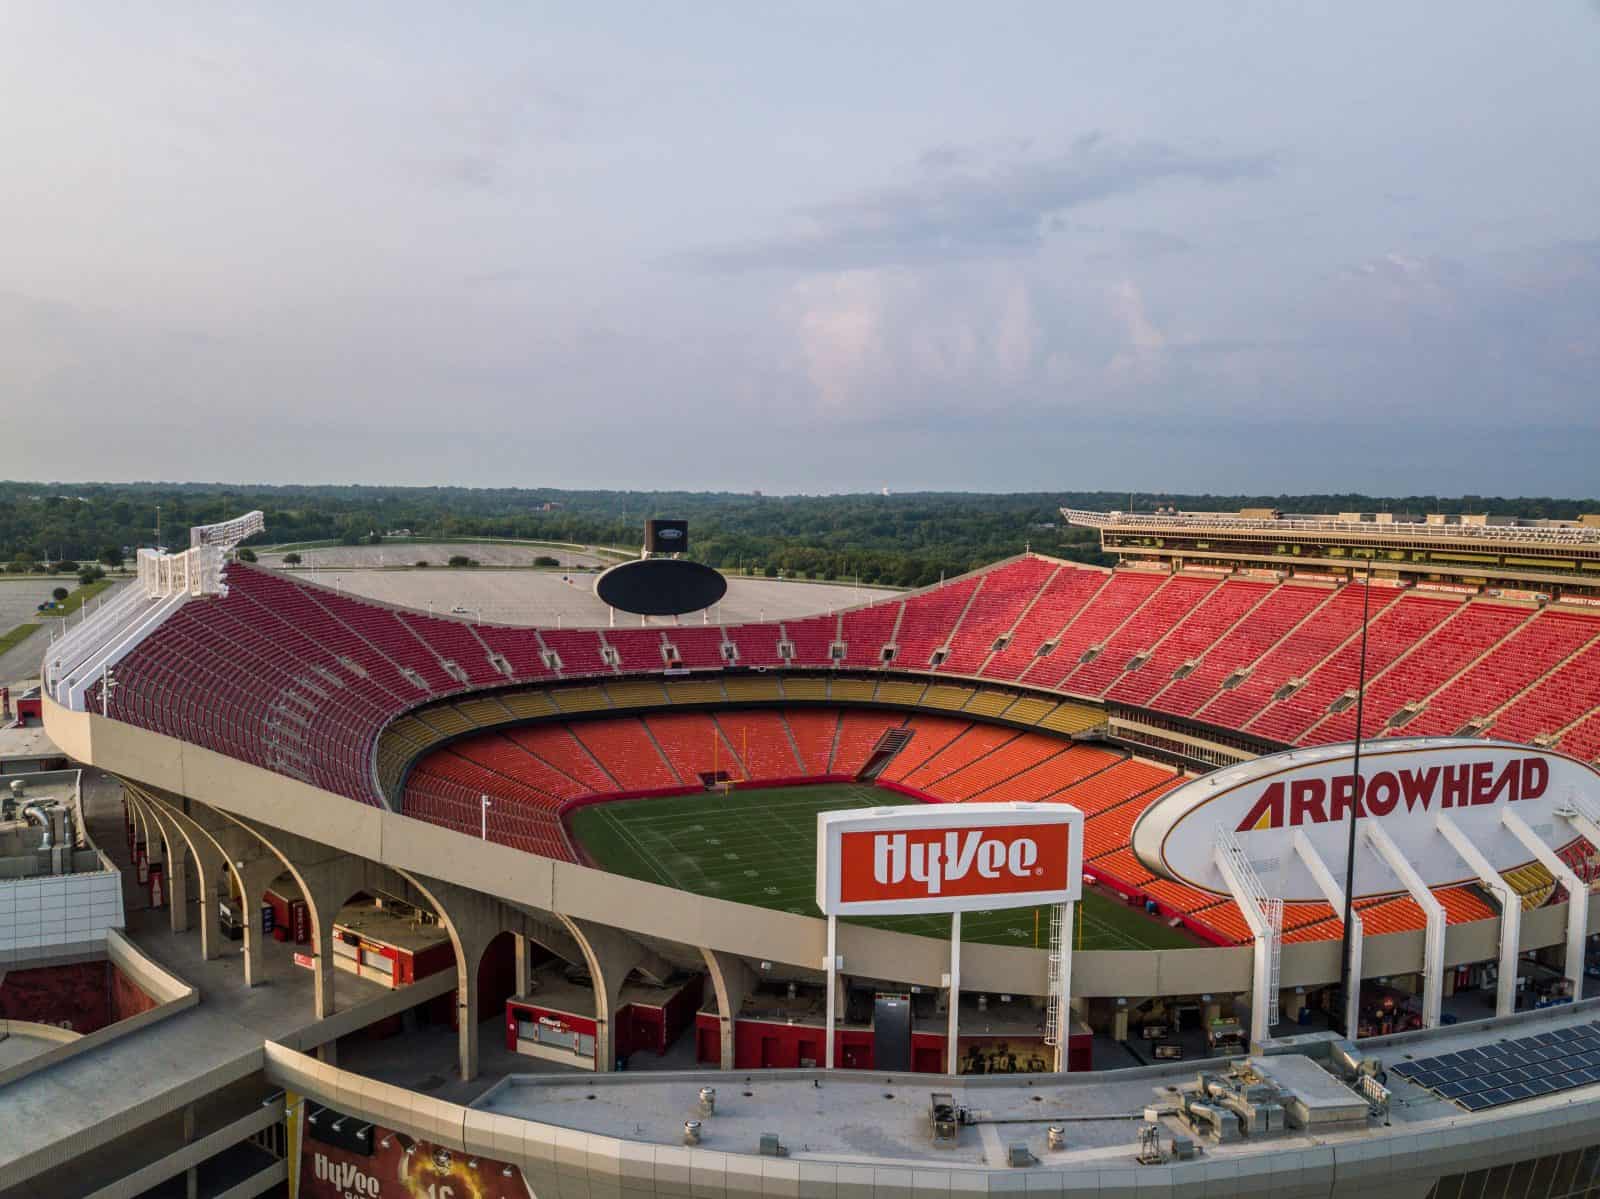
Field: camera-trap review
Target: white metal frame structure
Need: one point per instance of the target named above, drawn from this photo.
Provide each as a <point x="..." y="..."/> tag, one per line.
<point x="1334" y="894"/>
<point x="1505" y="999"/>
<point x="1264" y="915"/>
<point x="1433" y="941"/>
<point x="1058" y="1016"/>
<point x="164" y="583"/>
<point x="1577" y="894"/>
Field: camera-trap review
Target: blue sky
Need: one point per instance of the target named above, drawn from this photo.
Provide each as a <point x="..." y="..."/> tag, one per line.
<point x="805" y="248"/>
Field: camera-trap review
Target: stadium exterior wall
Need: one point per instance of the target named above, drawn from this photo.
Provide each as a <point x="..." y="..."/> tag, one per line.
<point x="1401" y="1162"/>
<point x="580" y="892"/>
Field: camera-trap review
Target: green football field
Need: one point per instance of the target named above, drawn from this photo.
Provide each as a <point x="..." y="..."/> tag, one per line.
<point x="760" y="847"/>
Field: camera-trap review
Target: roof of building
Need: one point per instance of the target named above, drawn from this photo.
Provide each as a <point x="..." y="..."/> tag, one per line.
<point x="884" y="1119"/>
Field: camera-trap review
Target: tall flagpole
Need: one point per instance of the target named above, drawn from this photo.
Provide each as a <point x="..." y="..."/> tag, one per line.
<point x="1345" y="981"/>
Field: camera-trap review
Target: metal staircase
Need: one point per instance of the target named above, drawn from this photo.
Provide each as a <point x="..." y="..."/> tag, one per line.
<point x="1266" y="920"/>
<point x="1052" y="1011"/>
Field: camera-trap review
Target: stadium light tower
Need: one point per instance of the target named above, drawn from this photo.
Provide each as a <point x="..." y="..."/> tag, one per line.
<point x="1345" y="981"/>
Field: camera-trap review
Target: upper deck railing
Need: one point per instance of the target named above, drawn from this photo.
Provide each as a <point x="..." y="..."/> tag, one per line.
<point x="1534" y="535"/>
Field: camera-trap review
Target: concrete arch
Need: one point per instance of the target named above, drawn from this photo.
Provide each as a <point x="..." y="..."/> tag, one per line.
<point x="210" y="864"/>
<point x="472" y="920"/>
<point x="611" y="955"/>
<point x="253" y="865"/>
<point x="732" y="980"/>
<point x="177" y="856"/>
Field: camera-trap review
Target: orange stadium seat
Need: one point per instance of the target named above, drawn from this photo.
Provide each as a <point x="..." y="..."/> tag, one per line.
<point x="1262" y="628"/>
<point x="865" y="631"/>
<point x="1121" y="598"/>
<point x="303" y="680"/>
<point x="929" y="618"/>
<point x="628" y="753"/>
<point x="859" y="732"/>
<point x="1117" y="784"/>
<point x="1209" y="619"/>
<point x="1002" y="595"/>
<point x="1056" y="774"/>
<point x="815" y="730"/>
<point x="929" y="735"/>
<point x="555" y="744"/>
<point x="761" y="739"/>
<point x="1325" y="630"/>
<point x="1004" y="762"/>
<point x="1068" y="592"/>
<point x="693" y="744"/>
<point x="1432" y="661"/>
<point x="812" y="639"/>
<point x="976" y="741"/>
<point x="1515" y="663"/>
<point x="1121" y="866"/>
<point x="1402" y="625"/>
<point x="1164" y="610"/>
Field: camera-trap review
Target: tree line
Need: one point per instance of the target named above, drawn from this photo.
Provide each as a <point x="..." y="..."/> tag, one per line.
<point x="907" y="540"/>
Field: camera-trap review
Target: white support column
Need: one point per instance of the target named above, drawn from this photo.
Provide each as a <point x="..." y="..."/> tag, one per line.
<point x="831" y="966"/>
<point x="1334" y="894"/>
<point x="1433" y="941"/>
<point x="950" y="1059"/>
<point x="1577" y="894"/>
<point x="1505" y="996"/>
<point x="1063" y="983"/>
<point x="1259" y="912"/>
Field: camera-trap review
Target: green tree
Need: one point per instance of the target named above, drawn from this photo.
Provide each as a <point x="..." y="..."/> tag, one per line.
<point x="291" y="559"/>
<point x="88" y="574"/>
<point x="546" y="560"/>
<point x="112" y="556"/>
<point x="246" y="554"/>
<point x="59" y="594"/>
<point x="461" y="560"/>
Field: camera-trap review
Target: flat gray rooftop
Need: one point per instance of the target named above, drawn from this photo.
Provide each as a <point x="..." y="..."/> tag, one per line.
<point x="857" y="1115"/>
<point x="30" y="741"/>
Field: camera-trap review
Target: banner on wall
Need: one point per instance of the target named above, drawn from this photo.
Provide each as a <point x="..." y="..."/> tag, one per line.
<point x="1003" y="1055"/>
<point x="362" y="1161"/>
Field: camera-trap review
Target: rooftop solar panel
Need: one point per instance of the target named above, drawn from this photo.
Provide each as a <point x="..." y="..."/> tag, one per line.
<point x="1520" y="1068"/>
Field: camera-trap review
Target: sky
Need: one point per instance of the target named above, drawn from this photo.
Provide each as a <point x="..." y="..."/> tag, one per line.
<point x="1250" y="247"/>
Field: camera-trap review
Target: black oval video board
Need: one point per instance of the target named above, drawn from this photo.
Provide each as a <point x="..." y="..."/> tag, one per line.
<point x="660" y="586"/>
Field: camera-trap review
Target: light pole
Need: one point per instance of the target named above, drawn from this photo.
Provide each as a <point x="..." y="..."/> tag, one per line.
<point x="485" y="800"/>
<point x="1345" y="981"/>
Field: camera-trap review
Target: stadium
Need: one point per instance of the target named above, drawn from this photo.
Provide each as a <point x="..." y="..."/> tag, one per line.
<point x="597" y="843"/>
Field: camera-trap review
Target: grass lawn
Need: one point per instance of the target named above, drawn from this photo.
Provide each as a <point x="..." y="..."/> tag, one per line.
<point x="9" y="641"/>
<point x="69" y="606"/>
<point x="760" y="847"/>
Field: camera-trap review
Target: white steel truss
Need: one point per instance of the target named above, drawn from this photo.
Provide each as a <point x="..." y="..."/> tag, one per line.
<point x="1334" y="894"/>
<point x="1433" y="940"/>
<point x="1264" y="915"/>
<point x="84" y="655"/>
<point x="1577" y="894"/>
<point x="1505" y="999"/>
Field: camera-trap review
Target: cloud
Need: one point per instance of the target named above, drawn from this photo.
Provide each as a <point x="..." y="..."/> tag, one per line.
<point x="973" y="203"/>
<point x="1143" y="245"/>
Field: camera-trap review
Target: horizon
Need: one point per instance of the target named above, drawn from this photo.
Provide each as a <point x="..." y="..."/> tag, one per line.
<point x="1136" y="494"/>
